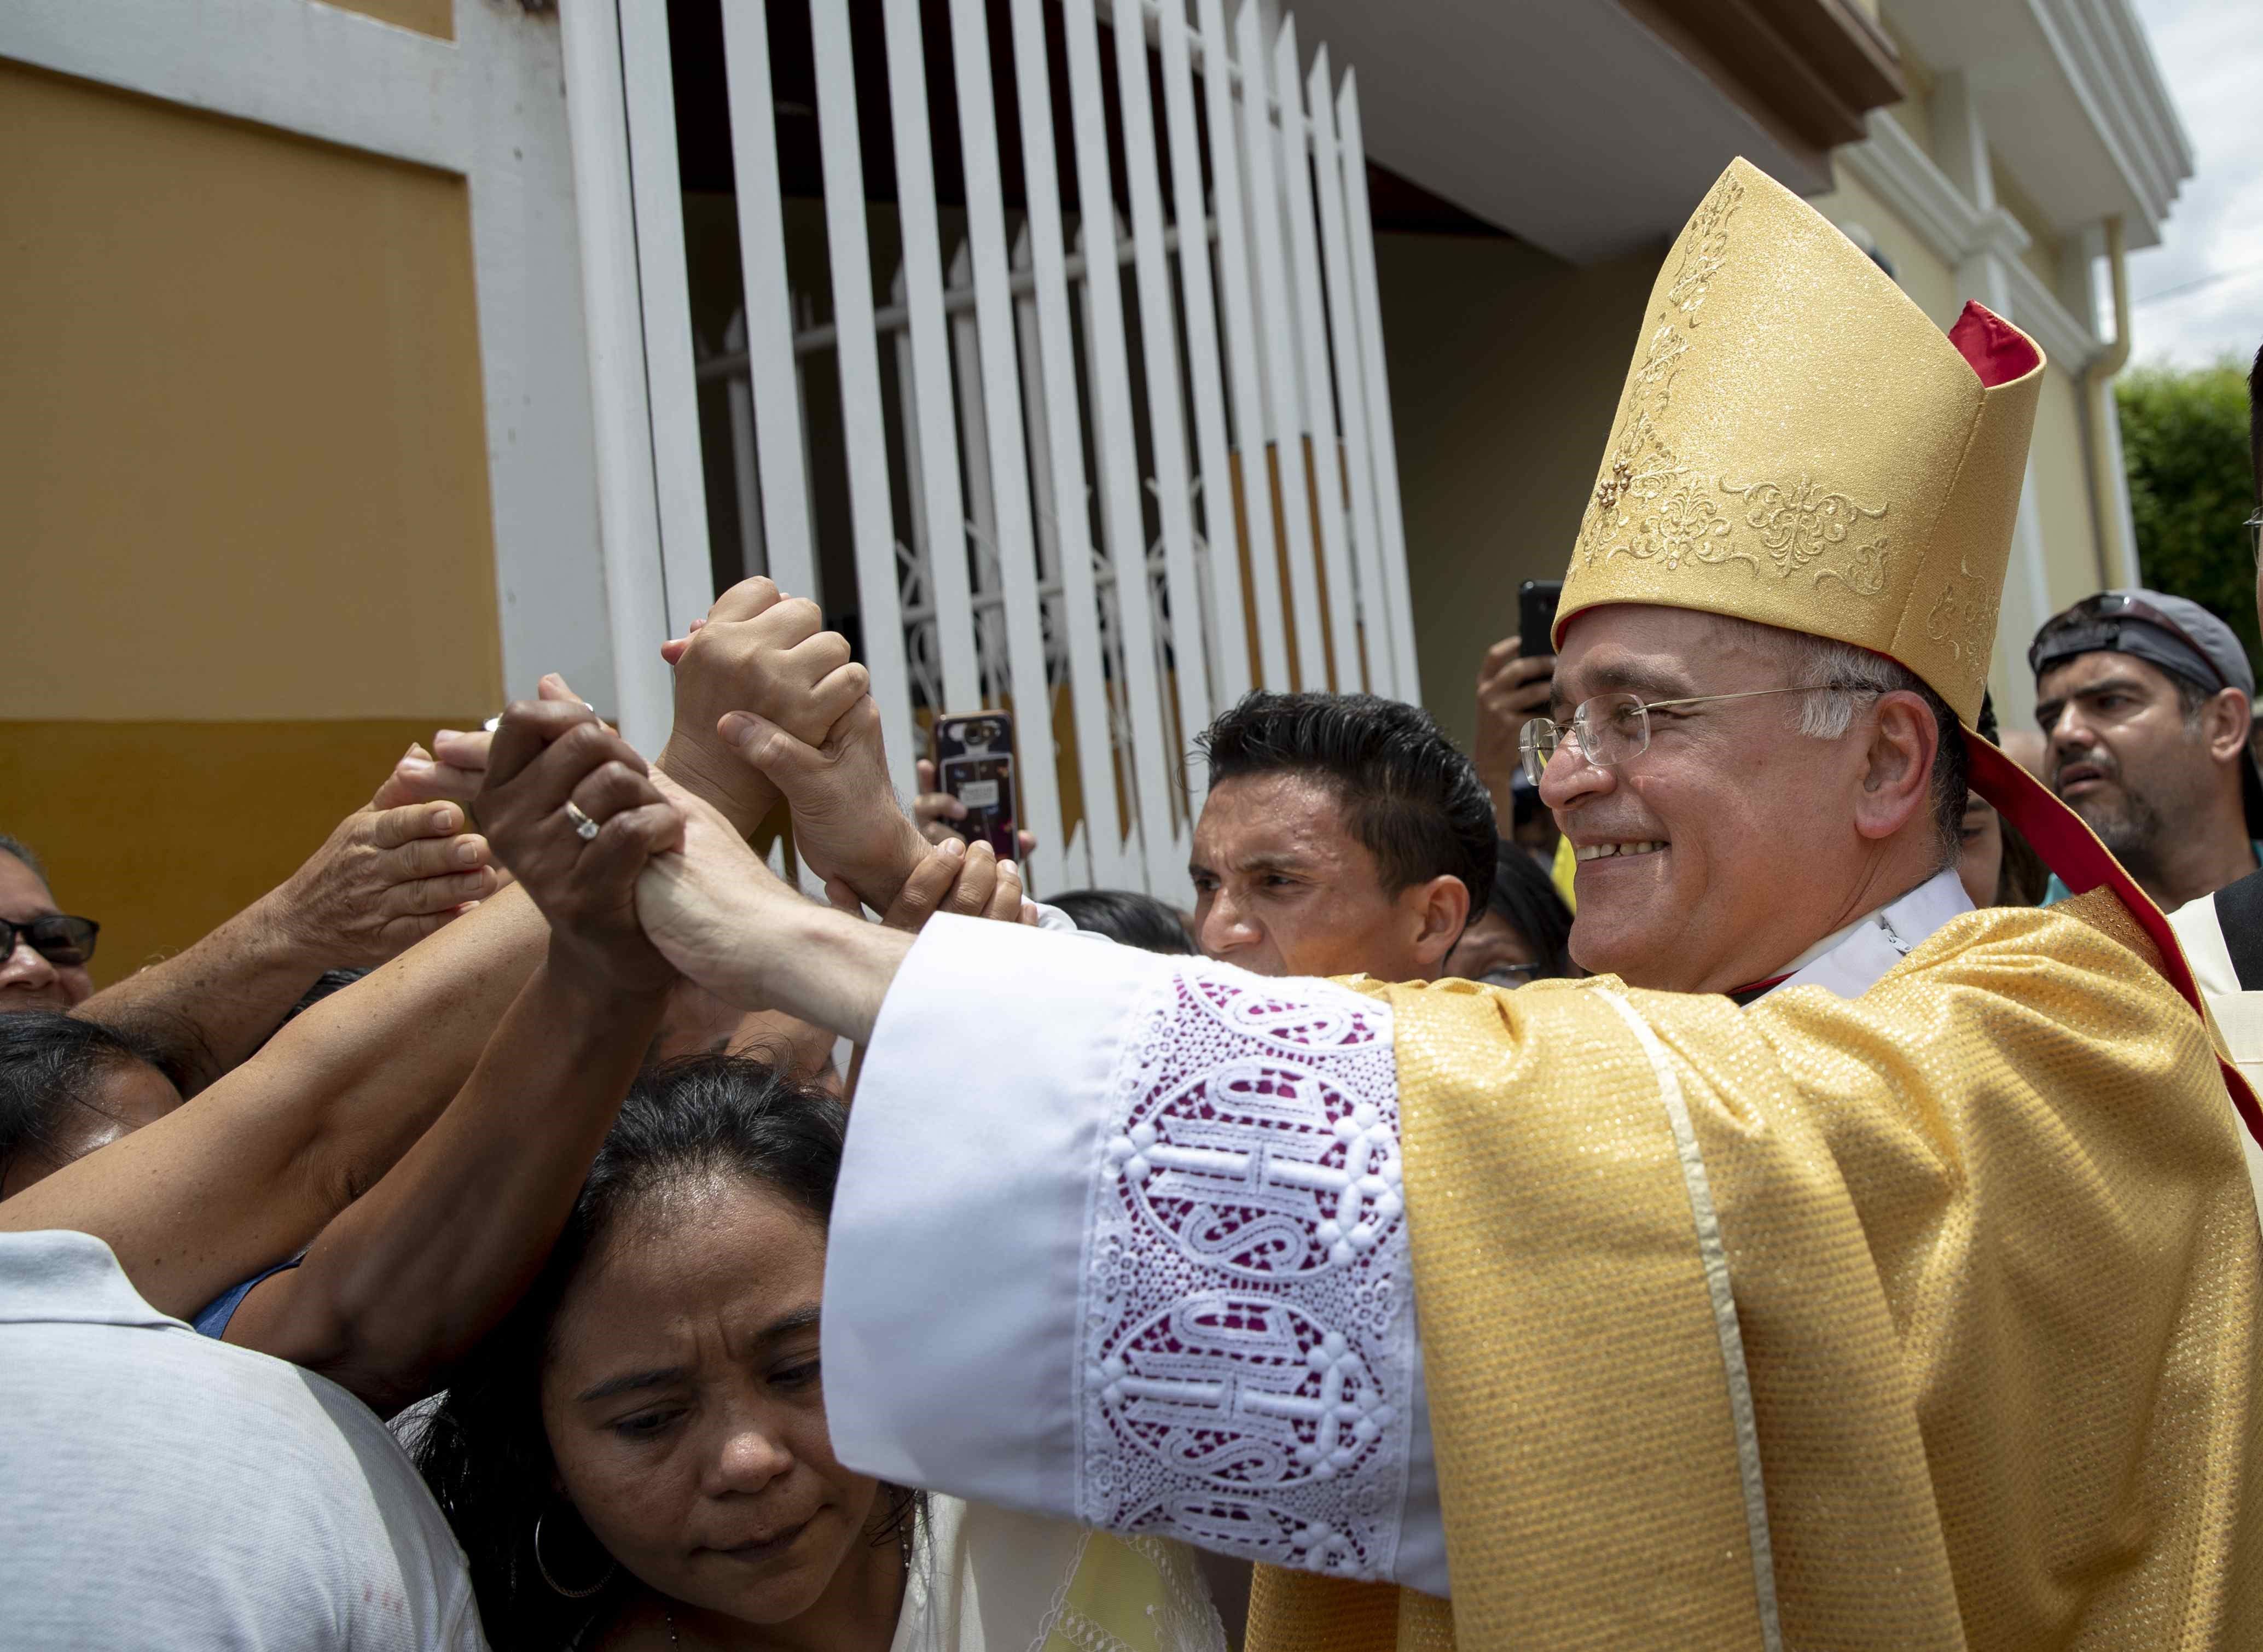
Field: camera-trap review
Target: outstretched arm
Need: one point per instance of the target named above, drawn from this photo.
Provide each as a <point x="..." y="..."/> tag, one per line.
<point x="415" y="1270"/>
<point x="249" y="1172"/>
<point x="386" y="878"/>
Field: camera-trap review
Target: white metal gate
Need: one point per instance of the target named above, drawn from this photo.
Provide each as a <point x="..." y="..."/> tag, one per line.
<point x="1015" y="442"/>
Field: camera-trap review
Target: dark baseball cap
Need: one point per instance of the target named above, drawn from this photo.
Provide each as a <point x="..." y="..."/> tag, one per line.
<point x="2173" y="633"/>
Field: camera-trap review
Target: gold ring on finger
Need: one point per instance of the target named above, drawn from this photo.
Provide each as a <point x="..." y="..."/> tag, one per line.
<point x="584" y="827"/>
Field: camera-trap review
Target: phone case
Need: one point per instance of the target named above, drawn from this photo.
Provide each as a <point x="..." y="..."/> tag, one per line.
<point x="974" y="763"/>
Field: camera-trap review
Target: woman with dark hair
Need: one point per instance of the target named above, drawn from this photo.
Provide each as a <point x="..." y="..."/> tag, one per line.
<point x="1126" y="916"/>
<point x="67" y="1087"/>
<point x="1525" y="931"/>
<point x="637" y="1455"/>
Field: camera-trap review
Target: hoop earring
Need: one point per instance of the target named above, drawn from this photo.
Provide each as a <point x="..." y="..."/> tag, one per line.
<point x="611" y="1567"/>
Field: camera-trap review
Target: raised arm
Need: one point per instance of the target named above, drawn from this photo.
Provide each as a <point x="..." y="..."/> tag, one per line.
<point x="385" y="879"/>
<point x="248" y="1173"/>
<point x="415" y="1270"/>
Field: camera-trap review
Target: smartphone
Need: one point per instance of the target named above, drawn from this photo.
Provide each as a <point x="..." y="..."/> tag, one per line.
<point x="974" y="763"/>
<point x="1536" y="614"/>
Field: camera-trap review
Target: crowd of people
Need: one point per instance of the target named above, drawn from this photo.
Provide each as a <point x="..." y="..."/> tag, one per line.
<point x="469" y="1244"/>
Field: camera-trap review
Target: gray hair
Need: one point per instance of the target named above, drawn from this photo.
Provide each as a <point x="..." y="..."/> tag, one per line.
<point x="22" y="852"/>
<point x="1843" y="677"/>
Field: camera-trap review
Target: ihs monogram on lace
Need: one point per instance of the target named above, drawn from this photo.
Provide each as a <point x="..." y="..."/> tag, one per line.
<point x="1247" y="1348"/>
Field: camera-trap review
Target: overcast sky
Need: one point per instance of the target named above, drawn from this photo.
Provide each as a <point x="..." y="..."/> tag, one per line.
<point x="2211" y="54"/>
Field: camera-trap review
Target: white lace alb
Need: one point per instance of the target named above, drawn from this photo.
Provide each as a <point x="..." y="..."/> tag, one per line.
<point x="1247" y="1310"/>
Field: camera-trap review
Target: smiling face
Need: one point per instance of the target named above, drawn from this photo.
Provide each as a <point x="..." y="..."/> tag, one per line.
<point x="27" y="979"/>
<point x="1726" y="849"/>
<point x="682" y="1401"/>
<point x="1282" y="887"/>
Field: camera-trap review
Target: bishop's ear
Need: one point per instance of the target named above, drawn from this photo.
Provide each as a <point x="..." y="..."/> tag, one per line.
<point x="1897" y="768"/>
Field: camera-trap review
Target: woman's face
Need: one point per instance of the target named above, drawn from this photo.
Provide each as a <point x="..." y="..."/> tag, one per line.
<point x="1980" y="852"/>
<point x="122" y="1096"/>
<point x="1493" y="951"/>
<point x="682" y="1401"/>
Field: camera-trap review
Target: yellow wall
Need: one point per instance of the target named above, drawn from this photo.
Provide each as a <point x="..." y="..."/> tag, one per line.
<point x="2059" y="471"/>
<point x="158" y="831"/>
<point x="1505" y="372"/>
<point x="1928" y="280"/>
<point x="242" y="447"/>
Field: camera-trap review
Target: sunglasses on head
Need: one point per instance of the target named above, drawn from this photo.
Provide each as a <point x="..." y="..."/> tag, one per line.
<point x="57" y="937"/>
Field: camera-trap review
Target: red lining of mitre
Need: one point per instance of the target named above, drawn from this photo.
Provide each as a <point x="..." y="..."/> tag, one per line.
<point x="2069" y="848"/>
<point x="1996" y="350"/>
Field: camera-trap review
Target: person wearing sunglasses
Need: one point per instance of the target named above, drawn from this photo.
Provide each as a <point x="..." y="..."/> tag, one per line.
<point x="2145" y="702"/>
<point x="47" y="950"/>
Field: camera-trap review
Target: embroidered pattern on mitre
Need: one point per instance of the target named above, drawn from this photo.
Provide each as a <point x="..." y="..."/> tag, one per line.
<point x="1648" y="504"/>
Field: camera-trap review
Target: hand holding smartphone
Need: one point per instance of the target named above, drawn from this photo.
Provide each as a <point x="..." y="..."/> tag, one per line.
<point x="1536" y="614"/>
<point x="974" y="763"/>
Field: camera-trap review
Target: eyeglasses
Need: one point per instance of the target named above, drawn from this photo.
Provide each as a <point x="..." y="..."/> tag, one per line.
<point x="56" y="937"/>
<point x="2254" y="526"/>
<point x="2091" y="623"/>
<point x="1612" y="727"/>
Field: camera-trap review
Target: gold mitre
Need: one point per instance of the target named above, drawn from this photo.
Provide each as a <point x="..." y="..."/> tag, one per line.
<point x="1797" y="445"/>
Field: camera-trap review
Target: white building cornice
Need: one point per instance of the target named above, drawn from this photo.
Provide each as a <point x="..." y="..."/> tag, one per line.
<point x="1890" y="165"/>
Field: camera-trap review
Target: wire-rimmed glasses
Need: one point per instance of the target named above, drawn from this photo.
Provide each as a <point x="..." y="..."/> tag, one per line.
<point x="1609" y="728"/>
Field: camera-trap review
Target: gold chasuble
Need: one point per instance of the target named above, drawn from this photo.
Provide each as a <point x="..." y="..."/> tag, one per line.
<point x="1926" y="1318"/>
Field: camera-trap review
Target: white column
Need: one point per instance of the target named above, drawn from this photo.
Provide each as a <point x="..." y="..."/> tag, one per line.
<point x="1960" y="146"/>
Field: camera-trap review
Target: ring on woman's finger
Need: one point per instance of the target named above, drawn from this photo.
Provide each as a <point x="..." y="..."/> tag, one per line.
<point x="584" y="827"/>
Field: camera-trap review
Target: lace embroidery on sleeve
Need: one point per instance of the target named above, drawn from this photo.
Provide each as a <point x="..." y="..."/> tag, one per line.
<point x="1246" y="1306"/>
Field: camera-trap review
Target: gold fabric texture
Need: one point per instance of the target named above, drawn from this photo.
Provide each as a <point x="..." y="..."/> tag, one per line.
<point x="1996" y="1267"/>
<point x="1796" y="445"/>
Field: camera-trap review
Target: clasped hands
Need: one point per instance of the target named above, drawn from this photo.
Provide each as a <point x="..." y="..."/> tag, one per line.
<point x="768" y="704"/>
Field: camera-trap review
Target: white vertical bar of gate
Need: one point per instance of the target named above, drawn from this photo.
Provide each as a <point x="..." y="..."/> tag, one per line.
<point x="1381" y="452"/>
<point x="771" y="366"/>
<point x="1159" y="351"/>
<point x="973" y="433"/>
<point x="871" y="514"/>
<point x="1241" y="349"/>
<point x="1344" y="342"/>
<point x="1263" y="153"/>
<point x="1103" y="824"/>
<point x="746" y="489"/>
<point x="949" y="589"/>
<point x="679" y="474"/>
<point x="627" y="510"/>
<point x="1312" y="338"/>
<point x="1116" y="450"/>
<point x="1002" y="403"/>
<point x="1229" y="638"/>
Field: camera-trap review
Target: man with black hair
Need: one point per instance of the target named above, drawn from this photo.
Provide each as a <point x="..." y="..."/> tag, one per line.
<point x="1343" y="834"/>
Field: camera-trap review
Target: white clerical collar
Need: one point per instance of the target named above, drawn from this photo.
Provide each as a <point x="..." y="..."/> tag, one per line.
<point x="1849" y="961"/>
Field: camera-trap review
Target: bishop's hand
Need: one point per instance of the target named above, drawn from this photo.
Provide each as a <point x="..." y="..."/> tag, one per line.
<point x="715" y="910"/>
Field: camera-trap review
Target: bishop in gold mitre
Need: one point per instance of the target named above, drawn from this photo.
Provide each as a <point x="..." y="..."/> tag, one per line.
<point x="1837" y="1266"/>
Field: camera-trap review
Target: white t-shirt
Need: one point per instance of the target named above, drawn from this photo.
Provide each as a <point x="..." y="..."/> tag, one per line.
<point x="166" y="1489"/>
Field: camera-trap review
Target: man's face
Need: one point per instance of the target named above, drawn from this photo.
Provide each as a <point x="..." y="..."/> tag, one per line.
<point x="1282" y="887"/>
<point x="1717" y="856"/>
<point x="2121" y="754"/>
<point x="28" y="980"/>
